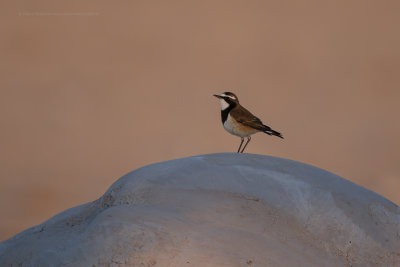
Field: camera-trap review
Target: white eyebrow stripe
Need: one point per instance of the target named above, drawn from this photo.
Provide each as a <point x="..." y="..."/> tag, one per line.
<point x="231" y="97"/>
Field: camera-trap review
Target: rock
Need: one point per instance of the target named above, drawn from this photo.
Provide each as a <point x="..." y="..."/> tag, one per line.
<point x="219" y="210"/>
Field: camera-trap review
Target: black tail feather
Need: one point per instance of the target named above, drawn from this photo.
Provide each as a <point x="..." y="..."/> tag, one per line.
<point x="269" y="131"/>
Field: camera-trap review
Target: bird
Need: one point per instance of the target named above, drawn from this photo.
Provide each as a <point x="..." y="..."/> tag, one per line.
<point x="239" y="121"/>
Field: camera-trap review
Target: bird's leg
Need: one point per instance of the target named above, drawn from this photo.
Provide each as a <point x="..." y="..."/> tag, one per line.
<point x="241" y="143"/>
<point x="248" y="140"/>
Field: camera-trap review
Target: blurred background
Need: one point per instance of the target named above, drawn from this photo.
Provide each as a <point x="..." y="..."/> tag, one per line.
<point x="90" y="90"/>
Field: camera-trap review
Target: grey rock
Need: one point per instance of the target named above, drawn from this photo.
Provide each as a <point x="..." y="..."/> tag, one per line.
<point x="219" y="210"/>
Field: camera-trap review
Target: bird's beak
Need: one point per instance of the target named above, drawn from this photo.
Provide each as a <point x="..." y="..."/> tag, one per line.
<point x="217" y="96"/>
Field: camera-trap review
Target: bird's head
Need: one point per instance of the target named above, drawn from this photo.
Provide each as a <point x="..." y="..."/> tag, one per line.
<point x="227" y="99"/>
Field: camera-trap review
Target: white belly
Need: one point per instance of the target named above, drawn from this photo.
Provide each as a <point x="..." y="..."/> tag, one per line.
<point x="235" y="128"/>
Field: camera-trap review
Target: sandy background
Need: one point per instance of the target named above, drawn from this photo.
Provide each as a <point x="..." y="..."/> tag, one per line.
<point x="90" y="90"/>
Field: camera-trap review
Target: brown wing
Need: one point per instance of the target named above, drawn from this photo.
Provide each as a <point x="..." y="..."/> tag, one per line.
<point x="244" y="116"/>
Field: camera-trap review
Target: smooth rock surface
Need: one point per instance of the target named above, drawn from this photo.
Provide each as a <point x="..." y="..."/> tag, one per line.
<point x="219" y="210"/>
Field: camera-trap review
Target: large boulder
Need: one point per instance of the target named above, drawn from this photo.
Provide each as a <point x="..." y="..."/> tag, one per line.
<point x="219" y="210"/>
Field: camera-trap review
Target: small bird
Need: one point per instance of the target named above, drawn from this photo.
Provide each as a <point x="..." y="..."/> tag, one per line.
<point x="239" y="121"/>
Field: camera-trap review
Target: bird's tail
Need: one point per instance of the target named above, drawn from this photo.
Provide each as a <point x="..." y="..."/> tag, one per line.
<point x="269" y="131"/>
